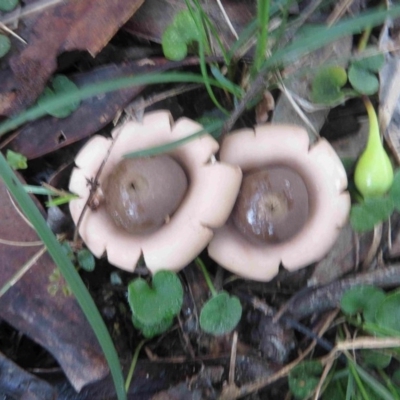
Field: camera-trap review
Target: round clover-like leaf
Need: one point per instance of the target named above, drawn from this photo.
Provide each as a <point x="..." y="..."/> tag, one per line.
<point x="162" y="301"/>
<point x="364" y="216"/>
<point x="370" y="305"/>
<point x="327" y="85"/>
<point x="179" y="35"/>
<point x="376" y="359"/>
<point x="362" y="80"/>
<point x="60" y="85"/>
<point x="388" y="312"/>
<point x="5" y="45"/>
<point x="8" y="5"/>
<point x="220" y="314"/>
<point x="86" y="260"/>
<point x="151" y="330"/>
<point x="356" y="299"/>
<point x="370" y="63"/>
<point x="304" y="378"/>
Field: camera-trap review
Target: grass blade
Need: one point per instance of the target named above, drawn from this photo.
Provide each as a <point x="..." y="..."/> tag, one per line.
<point x="322" y="35"/>
<point x="102" y="87"/>
<point x="374" y="384"/>
<point x="68" y="271"/>
<point x="153" y="151"/>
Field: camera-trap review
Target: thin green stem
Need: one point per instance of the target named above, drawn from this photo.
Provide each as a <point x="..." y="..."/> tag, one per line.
<point x="357" y="378"/>
<point x="133" y="364"/>
<point x="389" y="384"/>
<point x="362" y="44"/>
<point x="85" y="92"/>
<point x="262" y="40"/>
<point x="203" y="268"/>
<point x="40" y="190"/>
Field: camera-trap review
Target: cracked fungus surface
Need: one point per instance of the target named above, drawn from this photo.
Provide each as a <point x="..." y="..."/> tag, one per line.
<point x="320" y="168"/>
<point x="209" y="199"/>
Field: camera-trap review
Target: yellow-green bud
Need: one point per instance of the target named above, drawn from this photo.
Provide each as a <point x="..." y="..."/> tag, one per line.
<point x="374" y="172"/>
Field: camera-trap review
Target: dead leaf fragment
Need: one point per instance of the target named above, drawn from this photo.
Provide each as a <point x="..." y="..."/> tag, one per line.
<point x="155" y="16"/>
<point x="54" y="321"/>
<point x="73" y="25"/>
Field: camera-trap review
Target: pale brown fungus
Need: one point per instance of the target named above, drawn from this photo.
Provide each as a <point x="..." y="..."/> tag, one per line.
<point x="303" y="231"/>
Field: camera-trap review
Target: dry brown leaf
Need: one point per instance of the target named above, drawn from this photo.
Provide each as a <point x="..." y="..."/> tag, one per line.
<point x="155" y="16"/>
<point x="54" y="321"/>
<point x="75" y="25"/>
<point x="389" y="93"/>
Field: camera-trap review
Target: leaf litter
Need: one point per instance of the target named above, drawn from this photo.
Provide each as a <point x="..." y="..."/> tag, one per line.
<point x="263" y="354"/>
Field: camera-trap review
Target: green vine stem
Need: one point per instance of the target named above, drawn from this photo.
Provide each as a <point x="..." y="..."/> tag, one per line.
<point x="133" y="364"/>
<point x="203" y="268"/>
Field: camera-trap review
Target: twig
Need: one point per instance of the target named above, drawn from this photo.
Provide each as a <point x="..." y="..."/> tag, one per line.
<point x="20" y="273"/>
<point x="227" y="20"/>
<point x="231" y="379"/>
<point x="12" y="33"/>
<point x="323" y="298"/>
<point x="15" y="243"/>
<point x="94" y="184"/>
<point x="28" y="10"/>
<point x="265" y="381"/>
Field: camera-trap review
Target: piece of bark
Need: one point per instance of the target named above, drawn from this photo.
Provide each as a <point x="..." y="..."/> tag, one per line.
<point x="45" y="135"/>
<point x="21" y="385"/>
<point x="54" y="321"/>
<point x="155" y="377"/>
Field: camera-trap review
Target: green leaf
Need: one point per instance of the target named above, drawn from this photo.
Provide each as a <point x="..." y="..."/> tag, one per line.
<point x="371" y="304"/>
<point x="61" y="86"/>
<point x="370" y="63"/>
<point x="396" y="377"/>
<point x="176" y="38"/>
<point x="220" y="314"/>
<point x="394" y="192"/>
<point x="375" y="359"/>
<point x="327" y="84"/>
<point x="336" y="389"/>
<point x="388" y="312"/>
<point x="16" y="160"/>
<point x="8" y="5"/>
<point x="5" y="45"/>
<point x="366" y="215"/>
<point x="151" y="330"/>
<point x="85" y="260"/>
<point x="363" y="80"/>
<point x="158" y="304"/>
<point x="66" y="246"/>
<point x="355" y="299"/>
<point x="304" y="378"/>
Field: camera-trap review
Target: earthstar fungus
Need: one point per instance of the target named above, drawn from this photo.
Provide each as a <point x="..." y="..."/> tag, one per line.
<point x="199" y="196"/>
<point x="291" y="205"/>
